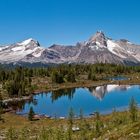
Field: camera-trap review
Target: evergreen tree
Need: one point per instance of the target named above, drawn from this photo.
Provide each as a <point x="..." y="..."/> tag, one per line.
<point x="31" y="114"/>
<point x="71" y="77"/>
<point x="71" y="117"/>
<point x="1" y="106"/>
<point x="98" y="123"/>
<point x="0" y="99"/>
<point x="97" y="115"/>
<point x="91" y="76"/>
<point x="57" y="77"/>
<point x="133" y="109"/>
<point x="70" y="121"/>
<point x="1" y="111"/>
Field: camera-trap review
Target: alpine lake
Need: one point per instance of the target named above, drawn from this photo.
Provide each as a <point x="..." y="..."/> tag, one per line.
<point x="103" y="99"/>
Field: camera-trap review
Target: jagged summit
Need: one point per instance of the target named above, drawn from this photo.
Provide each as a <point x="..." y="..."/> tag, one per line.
<point x="98" y="38"/>
<point x="98" y="34"/>
<point x="29" y="41"/>
<point x="25" y="42"/>
<point x="19" y="51"/>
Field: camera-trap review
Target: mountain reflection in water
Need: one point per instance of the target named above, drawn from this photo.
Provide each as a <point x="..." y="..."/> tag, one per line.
<point x="100" y="91"/>
<point x="101" y="98"/>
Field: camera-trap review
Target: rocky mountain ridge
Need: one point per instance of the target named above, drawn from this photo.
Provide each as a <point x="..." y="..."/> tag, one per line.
<point x="98" y="49"/>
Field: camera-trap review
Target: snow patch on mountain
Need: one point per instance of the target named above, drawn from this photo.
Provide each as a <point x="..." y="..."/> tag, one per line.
<point x="97" y="46"/>
<point x="98" y="43"/>
<point x="18" y="49"/>
<point x="94" y="47"/>
<point x="115" y="48"/>
<point x="37" y="52"/>
<point x="26" y="42"/>
<point x="97" y="49"/>
<point x="3" y="48"/>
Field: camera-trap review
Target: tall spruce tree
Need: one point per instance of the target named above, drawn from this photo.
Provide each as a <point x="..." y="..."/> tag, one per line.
<point x="133" y="109"/>
<point x="31" y="114"/>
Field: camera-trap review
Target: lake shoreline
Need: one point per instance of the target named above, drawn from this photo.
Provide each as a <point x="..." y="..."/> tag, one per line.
<point x="67" y="86"/>
<point x="71" y="85"/>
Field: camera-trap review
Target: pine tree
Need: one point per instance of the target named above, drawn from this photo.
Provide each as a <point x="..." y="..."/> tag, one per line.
<point x="71" y="77"/>
<point x="1" y="111"/>
<point x="71" y="117"/>
<point x="31" y="114"/>
<point x="98" y="123"/>
<point x="70" y="120"/>
<point x="133" y="109"/>
<point x="57" y="77"/>
<point x="0" y="99"/>
<point x="91" y="76"/>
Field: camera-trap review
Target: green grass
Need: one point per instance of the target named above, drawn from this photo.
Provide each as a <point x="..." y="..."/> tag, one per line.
<point x="114" y="126"/>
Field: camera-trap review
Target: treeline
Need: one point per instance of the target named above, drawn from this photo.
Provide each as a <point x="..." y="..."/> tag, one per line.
<point x="18" y="81"/>
<point x="68" y="72"/>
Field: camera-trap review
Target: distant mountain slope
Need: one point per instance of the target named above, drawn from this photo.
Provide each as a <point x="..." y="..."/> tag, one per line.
<point x="19" y="51"/>
<point x="97" y="49"/>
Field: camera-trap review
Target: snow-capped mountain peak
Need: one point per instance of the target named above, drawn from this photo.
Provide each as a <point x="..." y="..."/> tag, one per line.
<point x="115" y="48"/>
<point x="97" y="49"/>
<point x="97" y="41"/>
<point x="99" y="38"/>
<point x="25" y="42"/>
<point x="28" y="41"/>
<point x="19" y="51"/>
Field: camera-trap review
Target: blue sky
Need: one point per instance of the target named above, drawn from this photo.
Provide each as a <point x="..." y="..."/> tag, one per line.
<point x="68" y="21"/>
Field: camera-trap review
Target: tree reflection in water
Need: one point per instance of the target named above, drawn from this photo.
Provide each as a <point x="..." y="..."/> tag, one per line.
<point x="98" y="92"/>
<point x="19" y="105"/>
<point x="63" y="92"/>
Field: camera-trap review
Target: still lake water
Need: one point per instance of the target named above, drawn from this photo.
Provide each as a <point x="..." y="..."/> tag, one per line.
<point x="102" y="98"/>
<point x="117" y="78"/>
